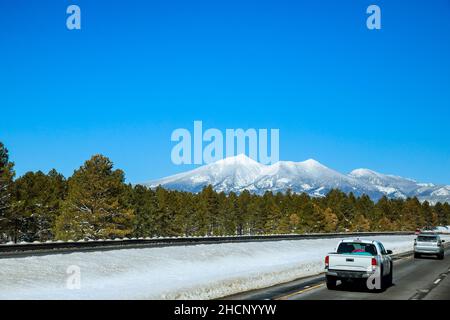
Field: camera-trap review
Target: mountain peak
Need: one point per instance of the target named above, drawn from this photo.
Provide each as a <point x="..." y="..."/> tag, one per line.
<point x="363" y="172"/>
<point x="240" y="159"/>
<point x="312" y="163"/>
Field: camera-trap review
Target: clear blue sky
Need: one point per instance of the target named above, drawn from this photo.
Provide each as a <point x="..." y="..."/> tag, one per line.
<point x="339" y="93"/>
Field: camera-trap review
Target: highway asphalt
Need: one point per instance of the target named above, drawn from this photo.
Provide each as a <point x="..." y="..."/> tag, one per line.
<point x="414" y="279"/>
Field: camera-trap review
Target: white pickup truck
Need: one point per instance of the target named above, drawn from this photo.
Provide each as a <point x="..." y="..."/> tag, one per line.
<point x="359" y="259"/>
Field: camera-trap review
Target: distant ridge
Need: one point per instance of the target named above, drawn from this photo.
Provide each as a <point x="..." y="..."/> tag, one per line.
<point x="239" y="173"/>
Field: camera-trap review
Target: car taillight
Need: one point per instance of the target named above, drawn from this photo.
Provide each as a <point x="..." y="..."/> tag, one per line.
<point x="374" y="262"/>
<point x="327" y="261"/>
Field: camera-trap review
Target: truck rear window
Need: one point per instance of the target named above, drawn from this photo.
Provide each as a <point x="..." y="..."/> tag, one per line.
<point x="366" y="249"/>
<point x="426" y="239"/>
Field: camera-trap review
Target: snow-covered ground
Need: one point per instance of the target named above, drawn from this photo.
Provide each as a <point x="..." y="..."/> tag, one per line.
<point x="188" y="272"/>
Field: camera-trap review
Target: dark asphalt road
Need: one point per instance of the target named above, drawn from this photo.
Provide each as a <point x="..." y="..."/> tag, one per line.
<point x="414" y="279"/>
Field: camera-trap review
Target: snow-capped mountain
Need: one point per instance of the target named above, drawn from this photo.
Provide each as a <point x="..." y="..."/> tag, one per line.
<point x="236" y="174"/>
<point x="230" y="174"/>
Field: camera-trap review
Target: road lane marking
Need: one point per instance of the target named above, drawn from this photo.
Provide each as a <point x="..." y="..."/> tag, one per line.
<point x="306" y="289"/>
<point x="422" y="294"/>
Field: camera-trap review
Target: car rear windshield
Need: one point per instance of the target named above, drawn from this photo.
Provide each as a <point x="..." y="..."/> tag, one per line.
<point x="426" y="239"/>
<point x="366" y="249"/>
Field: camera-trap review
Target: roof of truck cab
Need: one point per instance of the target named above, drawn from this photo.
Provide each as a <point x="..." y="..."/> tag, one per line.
<point x="359" y="241"/>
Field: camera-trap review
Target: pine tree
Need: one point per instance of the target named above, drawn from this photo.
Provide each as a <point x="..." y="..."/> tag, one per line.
<point x="206" y="211"/>
<point x="382" y="213"/>
<point x="364" y="205"/>
<point x="162" y="212"/>
<point x="284" y="202"/>
<point x="294" y="223"/>
<point x="407" y="218"/>
<point x="361" y="224"/>
<point x="230" y="211"/>
<point x="339" y="202"/>
<point x="144" y="203"/>
<point x="8" y="224"/>
<point x="438" y="210"/>
<point x="95" y="206"/>
<point x="189" y="208"/>
<point x="174" y="215"/>
<point x="273" y="213"/>
<point x="243" y="213"/>
<point x="330" y="221"/>
<point x="37" y="197"/>
<point x="308" y="217"/>
<point x="347" y="210"/>
<point x="427" y="214"/>
<point x="444" y="216"/>
<point x="298" y="203"/>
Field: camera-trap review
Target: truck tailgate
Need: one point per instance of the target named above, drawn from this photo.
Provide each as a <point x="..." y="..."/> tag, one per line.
<point x="350" y="262"/>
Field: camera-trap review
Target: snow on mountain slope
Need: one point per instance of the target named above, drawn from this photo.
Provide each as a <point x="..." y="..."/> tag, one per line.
<point x="398" y="187"/>
<point x="309" y="176"/>
<point x="394" y="186"/>
<point x="236" y="174"/>
<point x="230" y="174"/>
<point x="444" y="191"/>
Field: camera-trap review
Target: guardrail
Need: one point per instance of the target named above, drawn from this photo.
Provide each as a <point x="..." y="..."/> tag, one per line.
<point x="53" y="247"/>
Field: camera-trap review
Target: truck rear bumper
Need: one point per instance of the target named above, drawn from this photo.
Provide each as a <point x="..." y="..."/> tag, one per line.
<point x="429" y="250"/>
<point x="341" y="274"/>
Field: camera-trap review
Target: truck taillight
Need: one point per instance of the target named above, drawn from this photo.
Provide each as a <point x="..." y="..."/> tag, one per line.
<point x="374" y="262"/>
<point x="327" y="261"/>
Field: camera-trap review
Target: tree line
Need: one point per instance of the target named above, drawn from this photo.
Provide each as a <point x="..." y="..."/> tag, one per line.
<point x="96" y="203"/>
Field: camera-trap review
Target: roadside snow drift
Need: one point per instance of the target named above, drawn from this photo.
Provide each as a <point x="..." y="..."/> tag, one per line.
<point x="187" y="272"/>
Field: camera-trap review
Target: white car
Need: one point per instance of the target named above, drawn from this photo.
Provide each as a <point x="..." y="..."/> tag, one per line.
<point x="359" y="259"/>
<point x="429" y="244"/>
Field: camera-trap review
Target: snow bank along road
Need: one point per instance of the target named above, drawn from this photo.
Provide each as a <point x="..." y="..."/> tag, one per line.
<point x="182" y="272"/>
